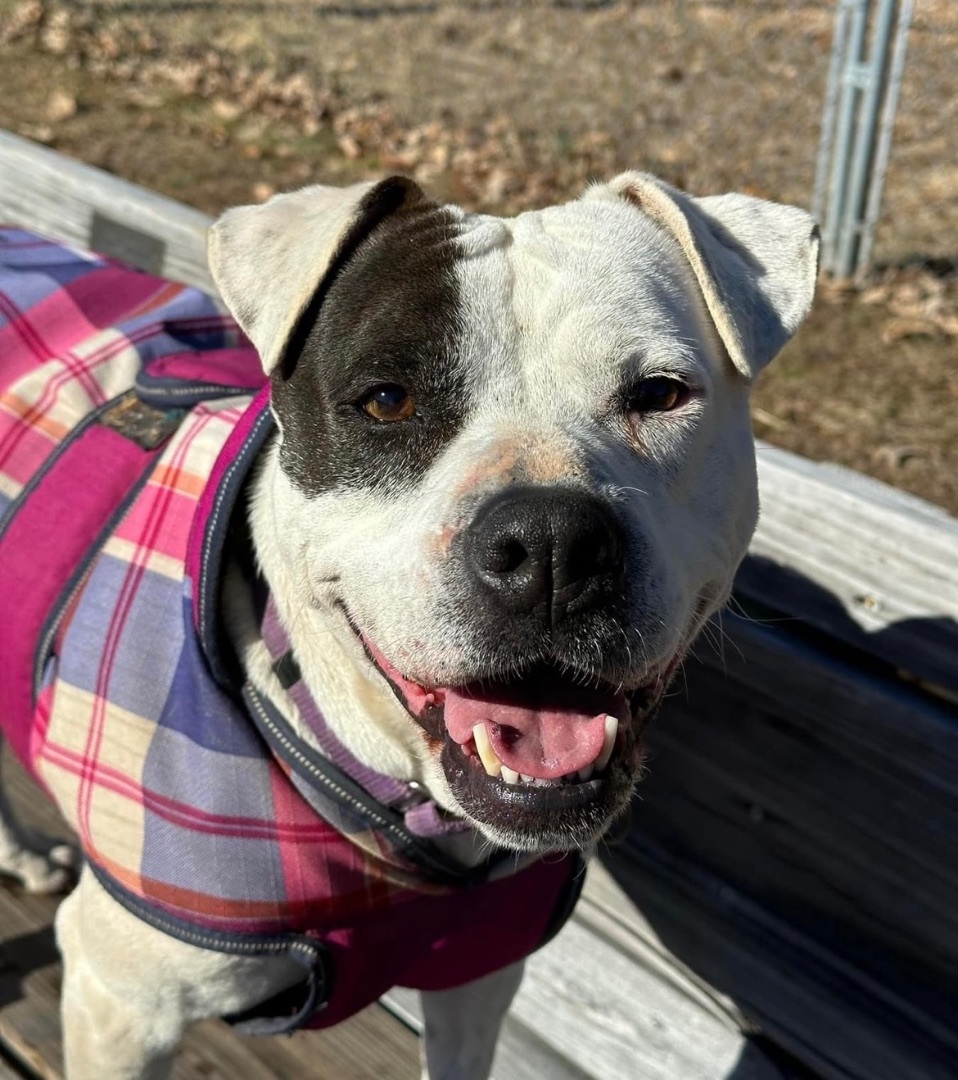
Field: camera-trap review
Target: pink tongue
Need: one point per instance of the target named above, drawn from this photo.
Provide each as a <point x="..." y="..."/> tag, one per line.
<point x="543" y="742"/>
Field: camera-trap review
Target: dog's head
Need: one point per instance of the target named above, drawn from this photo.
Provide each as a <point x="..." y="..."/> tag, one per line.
<point x="521" y="457"/>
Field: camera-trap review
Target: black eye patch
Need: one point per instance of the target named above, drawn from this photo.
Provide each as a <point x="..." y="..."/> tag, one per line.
<point x="390" y="317"/>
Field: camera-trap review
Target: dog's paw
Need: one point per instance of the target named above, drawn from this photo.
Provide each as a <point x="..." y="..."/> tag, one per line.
<point x="53" y="871"/>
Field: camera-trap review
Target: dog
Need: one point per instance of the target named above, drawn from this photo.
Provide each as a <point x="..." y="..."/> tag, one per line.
<point x="444" y="553"/>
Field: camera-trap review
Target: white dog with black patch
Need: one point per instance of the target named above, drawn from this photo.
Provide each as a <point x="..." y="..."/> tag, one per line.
<point x="504" y="476"/>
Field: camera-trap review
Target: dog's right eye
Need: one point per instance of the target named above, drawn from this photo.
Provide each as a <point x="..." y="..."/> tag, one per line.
<point x="388" y="403"/>
<point x="661" y="393"/>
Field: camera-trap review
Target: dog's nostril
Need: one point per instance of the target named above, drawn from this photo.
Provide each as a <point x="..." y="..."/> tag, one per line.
<point x="507" y="557"/>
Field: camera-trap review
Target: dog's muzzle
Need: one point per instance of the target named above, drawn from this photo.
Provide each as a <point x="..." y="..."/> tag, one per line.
<point x="537" y="743"/>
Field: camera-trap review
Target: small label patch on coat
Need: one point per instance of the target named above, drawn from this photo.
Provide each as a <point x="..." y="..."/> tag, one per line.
<point x="143" y="424"/>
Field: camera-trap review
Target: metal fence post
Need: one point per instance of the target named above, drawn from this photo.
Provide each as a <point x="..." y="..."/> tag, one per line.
<point x="855" y="146"/>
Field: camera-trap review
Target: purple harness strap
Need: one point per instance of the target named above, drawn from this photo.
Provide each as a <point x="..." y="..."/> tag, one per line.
<point x="421" y="815"/>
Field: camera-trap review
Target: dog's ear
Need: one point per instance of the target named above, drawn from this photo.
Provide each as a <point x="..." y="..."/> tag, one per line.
<point x="270" y="262"/>
<point x="755" y="261"/>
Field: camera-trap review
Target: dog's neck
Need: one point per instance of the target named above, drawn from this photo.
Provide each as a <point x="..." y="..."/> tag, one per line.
<point x="357" y="705"/>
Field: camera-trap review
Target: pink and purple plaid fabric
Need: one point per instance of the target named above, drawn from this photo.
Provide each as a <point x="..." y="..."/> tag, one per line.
<point x="192" y="797"/>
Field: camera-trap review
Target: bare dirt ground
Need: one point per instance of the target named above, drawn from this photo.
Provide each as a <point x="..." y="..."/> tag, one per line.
<point x="506" y="104"/>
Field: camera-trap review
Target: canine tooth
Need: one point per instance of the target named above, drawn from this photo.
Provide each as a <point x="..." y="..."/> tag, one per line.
<point x="509" y="775"/>
<point x="611" y="730"/>
<point x="586" y="773"/>
<point x="487" y="755"/>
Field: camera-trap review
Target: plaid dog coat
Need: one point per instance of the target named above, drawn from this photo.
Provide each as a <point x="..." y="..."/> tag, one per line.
<point x="131" y="410"/>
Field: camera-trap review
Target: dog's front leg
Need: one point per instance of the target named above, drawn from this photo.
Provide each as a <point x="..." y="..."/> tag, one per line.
<point x="462" y="1025"/>
<point x="129" y="990"/>
<point x="114" y="1026"/>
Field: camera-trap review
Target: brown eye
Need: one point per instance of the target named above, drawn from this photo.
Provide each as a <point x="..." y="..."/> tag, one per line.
<point x="388" y="403"/>
<point x="658" y="394"/>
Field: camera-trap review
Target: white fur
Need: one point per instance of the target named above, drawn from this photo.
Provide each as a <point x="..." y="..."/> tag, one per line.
<point x="294" y="236"/>
<point x="634" y="276"/>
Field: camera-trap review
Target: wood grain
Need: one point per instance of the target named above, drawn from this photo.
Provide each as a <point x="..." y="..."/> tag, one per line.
<point x="870" y="565"/>
<point x="827" y="1017"/>
<point x="58" y="197"/>
<point x="826" y="796"/>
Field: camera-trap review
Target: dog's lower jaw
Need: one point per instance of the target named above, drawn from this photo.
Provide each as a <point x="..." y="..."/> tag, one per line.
<point x="535" y="816"/>
<point x="571" y="832"/>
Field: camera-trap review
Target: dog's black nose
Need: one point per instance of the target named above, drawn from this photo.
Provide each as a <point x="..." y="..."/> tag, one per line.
<point x="547" y="551"/>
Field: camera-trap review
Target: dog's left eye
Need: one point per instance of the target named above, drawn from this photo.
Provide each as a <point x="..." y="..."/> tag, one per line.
<point x="388" y="403"/>
<point x="661" y="393"/>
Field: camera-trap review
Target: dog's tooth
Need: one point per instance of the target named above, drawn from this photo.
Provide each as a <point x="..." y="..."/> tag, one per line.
<point x="585" y="774"/>
<point x="611" y="730"/>
<point x="484" y="749"/>
<point x="526" y="779"/>
<point x="509" y="776"/>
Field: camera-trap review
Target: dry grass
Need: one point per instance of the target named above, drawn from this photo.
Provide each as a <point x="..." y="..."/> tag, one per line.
<point x="504" y="104"/>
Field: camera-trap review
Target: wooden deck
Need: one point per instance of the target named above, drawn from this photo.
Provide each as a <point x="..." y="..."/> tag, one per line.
<point x="782" y="905"/>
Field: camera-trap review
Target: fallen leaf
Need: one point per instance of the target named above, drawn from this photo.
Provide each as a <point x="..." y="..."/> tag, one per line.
<point x="894" y="330"/>
<point x="61" y="105"/>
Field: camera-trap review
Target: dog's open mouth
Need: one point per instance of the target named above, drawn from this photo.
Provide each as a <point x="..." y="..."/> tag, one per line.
<point x="537" y="756"/>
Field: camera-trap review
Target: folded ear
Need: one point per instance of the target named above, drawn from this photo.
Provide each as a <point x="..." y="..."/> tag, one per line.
<point x="270" y="261"/>
<point x="755" y="261"/>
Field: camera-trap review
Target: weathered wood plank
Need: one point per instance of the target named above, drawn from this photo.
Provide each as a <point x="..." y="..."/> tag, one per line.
<point x="830" y="1017"/>
<point x="872" y="566"/>
<point x="829" y="796"/>
<point x="828" y="792"/>
<point x="374" y="1043"/>
<point x="65" y="199"/>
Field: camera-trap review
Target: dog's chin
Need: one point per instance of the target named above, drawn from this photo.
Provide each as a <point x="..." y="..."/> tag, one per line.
<point x="536" y="760"/>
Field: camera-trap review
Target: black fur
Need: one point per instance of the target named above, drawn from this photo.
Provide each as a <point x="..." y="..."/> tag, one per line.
<point x="387" y="311"/>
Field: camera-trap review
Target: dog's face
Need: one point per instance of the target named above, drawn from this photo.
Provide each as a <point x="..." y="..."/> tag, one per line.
<point x="520" y="457"/>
